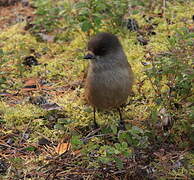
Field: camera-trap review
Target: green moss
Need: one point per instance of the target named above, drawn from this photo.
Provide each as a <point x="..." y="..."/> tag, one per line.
<point x="62" y="64"/>
<point x="20" y="114"/>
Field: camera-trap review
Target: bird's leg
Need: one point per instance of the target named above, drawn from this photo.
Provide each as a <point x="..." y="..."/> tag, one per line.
<point x="94" y="112"/>
<point x="120" y="114"/>
<point x="121" y="123"/>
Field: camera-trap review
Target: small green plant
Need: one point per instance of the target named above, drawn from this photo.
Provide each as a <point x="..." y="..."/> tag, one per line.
<point x="3" y="73"/>
<point x="92" y="15"/>
<point x="135" y="137"/>
<point x="97" y="151"/>
<point x="48" y="14"/>
<point x="171" y="76"/>
<point x="114" y="154"/>
<point x="171" y="73"/>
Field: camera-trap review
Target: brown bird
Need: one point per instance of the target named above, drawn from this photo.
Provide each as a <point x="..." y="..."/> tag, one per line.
<point x="110" y="77"/>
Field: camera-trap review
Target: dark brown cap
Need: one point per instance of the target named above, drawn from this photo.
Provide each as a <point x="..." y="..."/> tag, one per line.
<point x="103" y="43"/>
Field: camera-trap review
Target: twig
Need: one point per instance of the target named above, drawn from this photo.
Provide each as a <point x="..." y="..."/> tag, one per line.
<point x="25" y="131"/>
<point x="163" y="7"/>
<point x="7" y="146"/>
<point x="93" y="132"/>
<point x="98" y="135"/>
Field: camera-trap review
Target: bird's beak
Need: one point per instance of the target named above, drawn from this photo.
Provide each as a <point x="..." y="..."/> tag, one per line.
<point x="90" y="55"/>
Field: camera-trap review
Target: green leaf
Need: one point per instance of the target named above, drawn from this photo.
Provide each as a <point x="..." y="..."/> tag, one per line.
<point x="114" y="129"/>
<point x="154" y="115"/>
<point x="80" y="5"/>
<point x="117" y="145"/>
<point x="124" y="145"/>
<point x="59" y="126"/>
<point x="136" y="130"/>
<point x="97" y="21"/>
<point x="2" y="121"/>
<point x="119" y="163"/>
<point x="75" y="140"/>
<point x="85" y="26"/>
<point x="1" y="52"/>
<point x="105" y="159"/>
<point x="135" y="12"/>
<point x="30" y="148"/>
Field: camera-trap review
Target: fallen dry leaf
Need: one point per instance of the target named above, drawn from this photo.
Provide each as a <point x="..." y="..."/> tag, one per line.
<point x="77" y="152"/>
<point x="62" y="148"/>
<point x="31" y="82"/>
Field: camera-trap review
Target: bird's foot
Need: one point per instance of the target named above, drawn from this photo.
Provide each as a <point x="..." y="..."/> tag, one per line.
<point x="122" y="126"/>
<point x="95" y="126"/>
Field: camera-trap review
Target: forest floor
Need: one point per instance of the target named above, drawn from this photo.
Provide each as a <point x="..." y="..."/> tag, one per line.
<point x="46" y="126"/>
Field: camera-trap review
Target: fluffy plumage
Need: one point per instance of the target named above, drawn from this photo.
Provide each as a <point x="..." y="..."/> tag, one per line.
<point x="110" y="78"/>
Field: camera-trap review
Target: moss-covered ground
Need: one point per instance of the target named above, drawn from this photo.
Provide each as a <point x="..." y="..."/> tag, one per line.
<point x="58" y="142"/>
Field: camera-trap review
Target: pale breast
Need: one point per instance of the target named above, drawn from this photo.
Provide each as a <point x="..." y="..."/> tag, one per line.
<point x="109" y="88"/>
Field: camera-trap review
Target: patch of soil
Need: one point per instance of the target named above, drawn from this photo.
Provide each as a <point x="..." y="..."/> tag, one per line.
<point x="13" y="14"/>
<point x="8" y="2"/>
